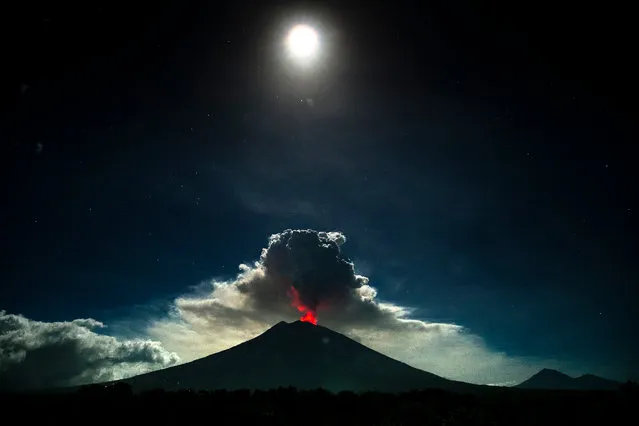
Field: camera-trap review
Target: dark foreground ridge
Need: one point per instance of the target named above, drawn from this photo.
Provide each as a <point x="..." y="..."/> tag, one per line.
<point x="300" y="355"/>
<point x="118" y="404"/>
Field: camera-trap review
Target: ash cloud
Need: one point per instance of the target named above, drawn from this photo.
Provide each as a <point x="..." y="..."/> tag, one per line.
<point x="311" y="262"/>
<point x="37" y="355"/>
<point x="325" y="279"/>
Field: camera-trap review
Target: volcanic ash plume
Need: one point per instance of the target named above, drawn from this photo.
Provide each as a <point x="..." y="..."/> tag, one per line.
<point x="308" y="268"/>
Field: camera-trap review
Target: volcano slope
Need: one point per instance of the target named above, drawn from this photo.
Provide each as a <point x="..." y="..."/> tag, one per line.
<point x="301" y="355"/>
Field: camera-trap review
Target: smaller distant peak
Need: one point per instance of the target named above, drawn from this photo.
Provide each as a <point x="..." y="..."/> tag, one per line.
<point x="587" y="376"/>
<point x="549" y="372"/>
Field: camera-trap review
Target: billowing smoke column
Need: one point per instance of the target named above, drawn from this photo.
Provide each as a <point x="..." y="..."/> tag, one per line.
<point x="311" y="265"/>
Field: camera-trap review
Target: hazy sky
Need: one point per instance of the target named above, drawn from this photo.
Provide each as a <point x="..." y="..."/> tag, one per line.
<point x="475" y="170"/>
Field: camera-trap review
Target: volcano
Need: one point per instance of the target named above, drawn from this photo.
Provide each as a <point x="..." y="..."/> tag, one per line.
<point x="553" y="379"/>
<point x="298" y="354"/>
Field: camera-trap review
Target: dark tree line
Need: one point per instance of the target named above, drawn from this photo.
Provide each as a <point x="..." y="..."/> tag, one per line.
<point x="117" y="404"/>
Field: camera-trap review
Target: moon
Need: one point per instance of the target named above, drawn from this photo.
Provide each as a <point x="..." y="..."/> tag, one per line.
<point x="302" y="42"/>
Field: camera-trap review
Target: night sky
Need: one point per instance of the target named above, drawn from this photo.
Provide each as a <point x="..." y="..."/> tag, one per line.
<point x="478" y="159"/>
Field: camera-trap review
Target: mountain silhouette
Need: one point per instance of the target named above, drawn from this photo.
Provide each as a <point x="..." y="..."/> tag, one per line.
<point x="553" y="379"/>
<point x="296" y="354"/>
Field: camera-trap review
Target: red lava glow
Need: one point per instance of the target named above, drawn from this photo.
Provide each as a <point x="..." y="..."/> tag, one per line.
<point x="309" y="314"/>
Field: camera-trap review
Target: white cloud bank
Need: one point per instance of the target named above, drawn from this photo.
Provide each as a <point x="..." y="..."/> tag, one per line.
<point x="36" y="355"/>
<point x="312" y="263"/>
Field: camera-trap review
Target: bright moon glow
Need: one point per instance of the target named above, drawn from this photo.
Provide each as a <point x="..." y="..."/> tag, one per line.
<point x="302" y="41"/>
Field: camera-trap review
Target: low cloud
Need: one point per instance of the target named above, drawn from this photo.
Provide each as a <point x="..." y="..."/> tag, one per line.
<point x="312" y="263"/>
<point x="36" y="355"/>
